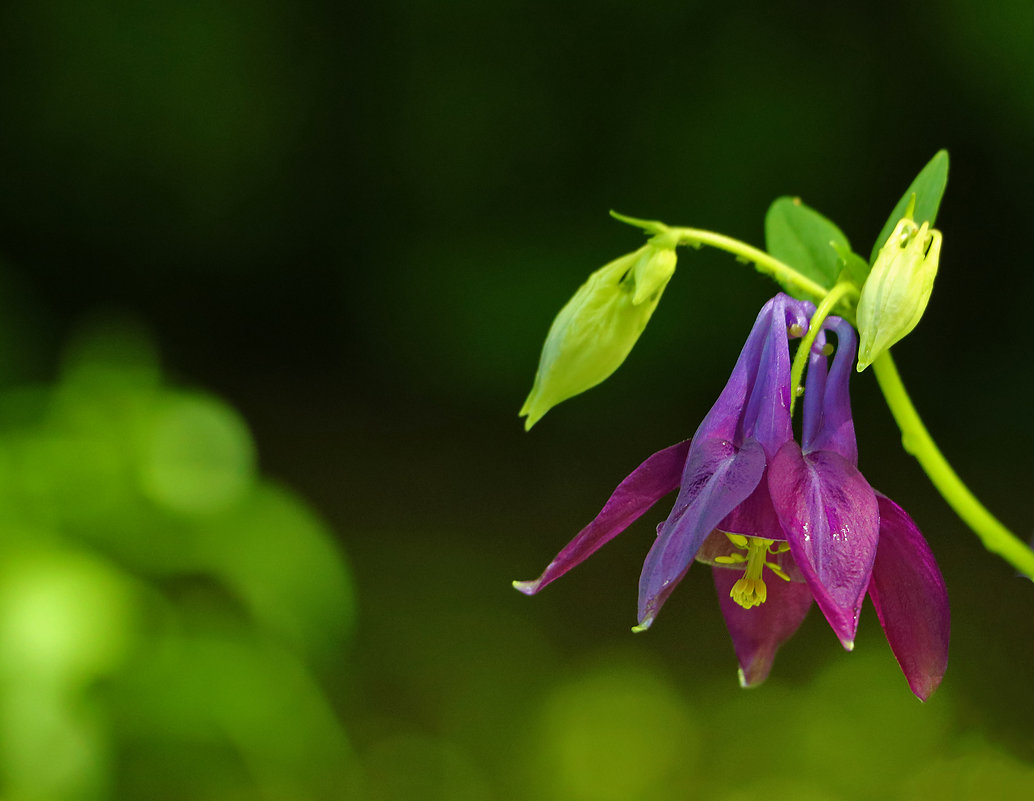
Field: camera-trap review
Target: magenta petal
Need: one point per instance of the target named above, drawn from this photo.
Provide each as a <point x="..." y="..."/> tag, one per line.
<point x="831" y="520"/>
<point x="757" y="633"/>
<point x="646" y="485"/>
<point x="755" y="517"/>
<point x="910" y="599"/>
<point x="718" y="477"/>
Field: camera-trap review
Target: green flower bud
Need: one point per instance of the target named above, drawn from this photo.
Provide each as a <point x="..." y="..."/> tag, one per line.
<point x="653" y="269"/>
<point x="898" y="288"/>
<point x="596" y="330"/>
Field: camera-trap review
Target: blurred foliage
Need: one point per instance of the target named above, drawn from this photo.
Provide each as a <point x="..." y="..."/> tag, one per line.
<point x="157" y="598"/>
<point x="355" y="223"/>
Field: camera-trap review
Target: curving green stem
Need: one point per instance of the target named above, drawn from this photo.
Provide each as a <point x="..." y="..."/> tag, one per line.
<point x="917" y="441"/>
<point x="765" y="263"/>
<point x="821" y="313"/>
<point x="914" y="436"/>
<point x="668" y="236"/>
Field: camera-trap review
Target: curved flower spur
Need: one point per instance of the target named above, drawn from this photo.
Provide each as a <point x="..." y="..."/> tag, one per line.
<point x="781" y="522"/>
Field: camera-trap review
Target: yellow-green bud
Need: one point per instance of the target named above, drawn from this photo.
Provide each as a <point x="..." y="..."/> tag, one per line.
<point x="898" y="288"/>
<point x="596" y="330"/>
<point x="653" y="269"/>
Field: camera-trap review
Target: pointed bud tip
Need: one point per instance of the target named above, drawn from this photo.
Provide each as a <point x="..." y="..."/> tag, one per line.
<point x="530" y="415"/>
<point x="527" y="587"/>
<point x="924" y="687"/>
<point x="746" y="683"/>
<point x="643" y="625"/>
<point x="650" y="226"/>
<point x="910" y="210"/>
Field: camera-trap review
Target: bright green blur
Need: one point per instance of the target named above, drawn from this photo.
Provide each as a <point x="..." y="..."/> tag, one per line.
<point x="158" y="599"/>
<point x="618" y="731"/>
<point x="354" y="220"/>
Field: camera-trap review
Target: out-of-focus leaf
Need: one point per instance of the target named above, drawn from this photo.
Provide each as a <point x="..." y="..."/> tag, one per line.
<point x="198" y="455"/>
<point x="282" y="561"/>
<point x="240" y="701"/>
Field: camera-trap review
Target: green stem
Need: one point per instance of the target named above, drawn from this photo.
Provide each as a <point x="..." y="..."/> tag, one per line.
<point x="696" y="237"/>
<point x="800" y="359"/>
<point x="765" y="263"/>
<point x="917" y="441"/>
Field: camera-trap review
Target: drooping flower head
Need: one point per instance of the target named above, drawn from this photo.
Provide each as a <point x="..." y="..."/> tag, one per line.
<point x="782" y="523"/>
<point x="730" y="450"/>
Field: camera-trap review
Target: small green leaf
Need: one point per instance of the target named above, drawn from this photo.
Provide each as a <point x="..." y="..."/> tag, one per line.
<point x="857" y="268"/>
<point x="805" y="240"/>
<point x="650" y="226"/>
<point x="928" y="188"/>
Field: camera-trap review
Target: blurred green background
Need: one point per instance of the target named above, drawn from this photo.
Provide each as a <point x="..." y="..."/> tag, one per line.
<point x="273" y="280"/>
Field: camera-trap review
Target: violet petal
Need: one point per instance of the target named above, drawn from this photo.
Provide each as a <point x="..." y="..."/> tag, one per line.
<point x="766" y="414"/>
<point x="757" y="633"/>
<point x="647" y="484"/>
<point x="831" y="520"/>
<point x="910" y="599"/>
<point x="828" y="425"/>
<point x="755" y="403"/>
<point x="718" y="477"/>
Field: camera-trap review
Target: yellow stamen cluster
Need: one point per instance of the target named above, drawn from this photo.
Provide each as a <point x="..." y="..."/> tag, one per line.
<point x="750" y="591"/>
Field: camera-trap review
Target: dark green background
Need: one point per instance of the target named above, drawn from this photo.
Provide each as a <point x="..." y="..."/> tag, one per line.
<point x="355" y="224"/>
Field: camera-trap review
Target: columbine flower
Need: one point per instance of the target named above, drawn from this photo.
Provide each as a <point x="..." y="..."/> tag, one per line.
<point x="781" y="523"/>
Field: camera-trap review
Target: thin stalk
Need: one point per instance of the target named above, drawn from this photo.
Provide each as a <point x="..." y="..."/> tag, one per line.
<point x="814" y="325"/>
<point x="764" y="263"/>
<point x="918" y="442"/>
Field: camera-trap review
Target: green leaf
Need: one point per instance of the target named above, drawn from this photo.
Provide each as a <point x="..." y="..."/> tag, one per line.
<point x="856" y="267"/>
<point x="805" y="240"/>
<point x="928" y="187"/>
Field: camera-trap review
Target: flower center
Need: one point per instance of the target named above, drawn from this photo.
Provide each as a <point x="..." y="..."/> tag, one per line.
<point x="750" y="591"/>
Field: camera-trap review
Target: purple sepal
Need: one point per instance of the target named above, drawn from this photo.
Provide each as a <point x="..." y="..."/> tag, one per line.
<point x="757" y="633"/>
<point x="911" y="601"/>
<point x="829" y="514"/>
<point x="718" y="477"/>
<point x="828" y="425"/>
<point x="647" y="484"/>
<point x="755" y="403"/>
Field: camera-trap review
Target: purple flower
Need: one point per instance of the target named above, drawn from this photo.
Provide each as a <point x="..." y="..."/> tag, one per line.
<point x="751" y="497"/>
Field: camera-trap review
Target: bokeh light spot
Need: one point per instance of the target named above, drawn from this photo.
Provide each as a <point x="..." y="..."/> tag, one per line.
<point x="413" y="766"/>
<point x="64" y="616"/>
<point x="198" y="457"/>
<point x="619" y="732"/>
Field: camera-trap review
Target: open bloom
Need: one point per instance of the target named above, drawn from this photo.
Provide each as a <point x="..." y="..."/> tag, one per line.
<point x="782" y="523"/>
